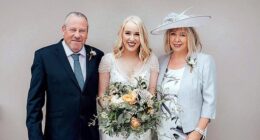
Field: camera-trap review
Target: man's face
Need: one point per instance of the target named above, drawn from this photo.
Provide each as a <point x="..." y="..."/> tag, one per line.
<point x="75" y="33"/>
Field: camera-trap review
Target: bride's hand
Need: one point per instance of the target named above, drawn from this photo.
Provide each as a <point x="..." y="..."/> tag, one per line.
<point x="100" y="102"/>
<point x="103" y="101"/>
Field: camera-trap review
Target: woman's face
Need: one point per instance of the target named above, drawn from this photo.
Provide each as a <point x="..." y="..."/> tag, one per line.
<point x="131" y="37"/>
<point x="179" y="40"/>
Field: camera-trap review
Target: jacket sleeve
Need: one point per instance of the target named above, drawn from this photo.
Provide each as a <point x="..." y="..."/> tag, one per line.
<point x="209" y="88"/>
<point x="36" y="98"/>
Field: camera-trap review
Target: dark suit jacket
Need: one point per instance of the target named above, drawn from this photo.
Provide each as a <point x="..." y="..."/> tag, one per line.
<point x="68" y="109"/>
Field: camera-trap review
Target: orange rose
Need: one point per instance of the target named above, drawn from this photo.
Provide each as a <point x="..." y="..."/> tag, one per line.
<point x="130" y="97"/>
<point x="150" y="110"/>
<point x="135" y="123"/>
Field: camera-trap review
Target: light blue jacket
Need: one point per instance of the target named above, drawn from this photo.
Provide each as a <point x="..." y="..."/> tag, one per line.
<point x="197" y="93"/>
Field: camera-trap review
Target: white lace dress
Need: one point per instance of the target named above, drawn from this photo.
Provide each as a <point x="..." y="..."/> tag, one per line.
<point x="109" y="64"/>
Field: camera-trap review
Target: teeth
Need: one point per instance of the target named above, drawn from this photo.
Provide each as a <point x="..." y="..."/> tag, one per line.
<point x="131" y="44"/>
<point x="177" y="45"/>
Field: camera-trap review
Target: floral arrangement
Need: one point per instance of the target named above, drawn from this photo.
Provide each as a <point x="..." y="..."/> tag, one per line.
<point x="191" y="62"/>
<point x="127" y="109"/>
<point x="91" y="54"/>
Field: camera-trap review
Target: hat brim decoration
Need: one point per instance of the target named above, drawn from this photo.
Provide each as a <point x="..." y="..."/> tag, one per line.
<point x="174" y="20"/>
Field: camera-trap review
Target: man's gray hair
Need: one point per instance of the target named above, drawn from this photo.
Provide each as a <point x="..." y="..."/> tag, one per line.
<point x="78" y="14"/>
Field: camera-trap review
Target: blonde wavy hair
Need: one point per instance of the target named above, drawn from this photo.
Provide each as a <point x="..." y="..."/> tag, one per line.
<point x="144" y="49"/>
<point x="194" y="43"/>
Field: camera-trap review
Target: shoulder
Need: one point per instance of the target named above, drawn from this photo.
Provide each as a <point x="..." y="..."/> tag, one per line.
<point x="153" y="62"/>
<point x="98" y="51"/>
<point x="204" y="58"/>
<point x="205" y="61"/>
<point x="108" y="58"/>
<point x="47" y="49"/>
<point x="109" y="55"/>
<point x="106" y="63"/>
<point x="153" y="57"/>
<point x="203" y="55"/>
<point x="163" y="58"/>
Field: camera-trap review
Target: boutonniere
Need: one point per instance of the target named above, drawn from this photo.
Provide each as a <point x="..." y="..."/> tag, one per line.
<point x="191" y="62"/>
<point x="92" y="53"/>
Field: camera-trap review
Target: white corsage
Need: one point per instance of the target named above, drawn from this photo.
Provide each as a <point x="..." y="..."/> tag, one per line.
<point x="191" y="62"/>
<point x="92" y="53"/>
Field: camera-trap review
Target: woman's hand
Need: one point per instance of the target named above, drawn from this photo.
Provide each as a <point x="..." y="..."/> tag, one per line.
<point x="202" y="125"/>
<point x="194" y="135"/>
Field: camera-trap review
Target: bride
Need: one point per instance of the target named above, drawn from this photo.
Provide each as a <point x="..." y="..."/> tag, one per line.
<point x="130" y="58"/>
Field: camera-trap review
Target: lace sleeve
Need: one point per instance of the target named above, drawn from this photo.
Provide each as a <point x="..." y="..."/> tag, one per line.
<point x="154" y="63"/>
<point x="105" y="64"/>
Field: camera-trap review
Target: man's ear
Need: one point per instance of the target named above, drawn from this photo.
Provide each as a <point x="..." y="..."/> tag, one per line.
<point x="63" y="29"/>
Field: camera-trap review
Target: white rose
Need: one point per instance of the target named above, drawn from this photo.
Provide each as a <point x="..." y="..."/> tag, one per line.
<point x="104" y="115"/>
<point x="192" y="62"/>
<point x="116" y="100"/>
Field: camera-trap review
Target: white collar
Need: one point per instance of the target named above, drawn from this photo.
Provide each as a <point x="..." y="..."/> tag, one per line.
<point x="69" y="52"/>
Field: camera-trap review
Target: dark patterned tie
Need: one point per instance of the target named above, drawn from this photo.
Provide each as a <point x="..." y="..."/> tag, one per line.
<point x="78" y="71"/>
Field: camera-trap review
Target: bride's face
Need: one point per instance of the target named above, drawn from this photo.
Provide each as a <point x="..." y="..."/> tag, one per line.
<point x="131" y="37"/>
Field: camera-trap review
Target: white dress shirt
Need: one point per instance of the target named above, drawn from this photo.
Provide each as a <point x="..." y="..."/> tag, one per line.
<point x="82" y="58"/>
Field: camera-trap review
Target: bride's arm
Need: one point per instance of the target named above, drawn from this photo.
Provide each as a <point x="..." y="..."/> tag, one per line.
<point x="153" y="81"/>
<point x="104" y="75"/>
<point x="103" y="83"/>
<point x="154" y="71"/>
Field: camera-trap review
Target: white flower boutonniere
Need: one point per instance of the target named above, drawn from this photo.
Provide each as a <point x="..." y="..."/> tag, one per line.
<point x="91" y="54"/>
<point x="191" y="62"/>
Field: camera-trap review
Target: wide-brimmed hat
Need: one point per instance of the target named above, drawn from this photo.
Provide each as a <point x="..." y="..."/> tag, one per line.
<point x="175" y="20"/>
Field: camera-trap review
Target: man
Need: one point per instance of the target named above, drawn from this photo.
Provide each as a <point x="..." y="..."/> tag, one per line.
<point x="66" y="74"/>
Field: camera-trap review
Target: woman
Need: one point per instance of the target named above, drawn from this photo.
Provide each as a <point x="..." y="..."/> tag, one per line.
<point x="130" y="59"/>
<point x="187" y="78"/>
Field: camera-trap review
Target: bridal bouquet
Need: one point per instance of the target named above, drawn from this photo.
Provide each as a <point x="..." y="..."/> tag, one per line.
<point x="127" y="109"/>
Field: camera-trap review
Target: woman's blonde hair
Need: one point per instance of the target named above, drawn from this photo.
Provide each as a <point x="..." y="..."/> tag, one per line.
<point x="144" y="50"/>
<point x="194" y="43"/>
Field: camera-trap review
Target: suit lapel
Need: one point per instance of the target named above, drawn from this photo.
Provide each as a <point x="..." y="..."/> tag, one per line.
<point x="65" y="62"/>
<point x="186" y="81"/>
<point x="89" y="64"/>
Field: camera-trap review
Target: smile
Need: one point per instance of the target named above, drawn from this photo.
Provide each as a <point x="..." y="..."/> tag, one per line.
<point x="131" y="44"/>
<point x="177" y="45"/>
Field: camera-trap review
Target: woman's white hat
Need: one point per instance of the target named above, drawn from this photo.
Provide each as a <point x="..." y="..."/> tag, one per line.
<point x="174" y="20"/>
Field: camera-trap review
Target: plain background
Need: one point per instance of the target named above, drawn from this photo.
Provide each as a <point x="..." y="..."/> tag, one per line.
<point x="231" y="37"/>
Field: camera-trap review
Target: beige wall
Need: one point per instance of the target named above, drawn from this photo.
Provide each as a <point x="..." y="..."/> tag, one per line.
<point x="232" y="38"/>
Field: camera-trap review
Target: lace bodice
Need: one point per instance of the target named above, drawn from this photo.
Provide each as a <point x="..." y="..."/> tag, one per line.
<point x="109" y="64"/>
